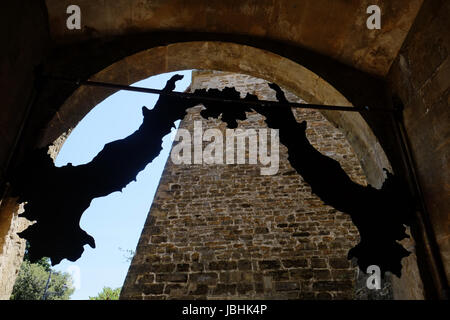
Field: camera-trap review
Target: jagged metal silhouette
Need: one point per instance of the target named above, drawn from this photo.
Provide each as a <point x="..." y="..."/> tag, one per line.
<point x="57" y="197"/>
<point x="380" y="215"/>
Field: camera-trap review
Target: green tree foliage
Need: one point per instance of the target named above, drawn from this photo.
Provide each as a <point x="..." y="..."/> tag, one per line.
<point x="32" y="281"/>
<point x="107" y="294"/>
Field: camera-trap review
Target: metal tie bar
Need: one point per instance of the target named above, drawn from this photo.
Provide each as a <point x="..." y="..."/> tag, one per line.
<point x="187" y="95"/>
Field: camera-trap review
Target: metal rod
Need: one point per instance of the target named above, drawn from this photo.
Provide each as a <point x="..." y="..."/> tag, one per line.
<point x="431" y="247"/>
<point x="186" y="95"/>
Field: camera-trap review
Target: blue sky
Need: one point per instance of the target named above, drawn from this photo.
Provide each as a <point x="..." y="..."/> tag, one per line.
<point x="115" y="221"/>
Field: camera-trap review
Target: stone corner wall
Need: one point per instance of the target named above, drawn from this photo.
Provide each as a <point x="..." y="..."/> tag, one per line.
<point x="12" y="248"/>
<point x="420" y="76"/>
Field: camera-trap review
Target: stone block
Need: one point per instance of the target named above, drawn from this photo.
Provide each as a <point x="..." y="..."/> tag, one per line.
<point x="153" y="289"/>
<point x="295" y="263"/>
<point x="286" y="286"/>
<point x="209" y="278"/>
<point x="269" y="264"/>
<point x="171" y="277"/>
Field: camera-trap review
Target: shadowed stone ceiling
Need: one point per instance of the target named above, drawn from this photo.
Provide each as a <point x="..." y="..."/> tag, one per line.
<point x="313" y="24"/>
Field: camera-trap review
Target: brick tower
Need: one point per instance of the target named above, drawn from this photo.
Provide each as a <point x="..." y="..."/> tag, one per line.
<point x="228" y="232"/>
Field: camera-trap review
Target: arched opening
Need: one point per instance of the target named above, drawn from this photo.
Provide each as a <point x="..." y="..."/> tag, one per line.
<point x="235" y="58"/>
<point x="408" y="56"/>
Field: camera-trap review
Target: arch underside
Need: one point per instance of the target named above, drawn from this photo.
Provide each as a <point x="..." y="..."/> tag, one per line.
<point x="225" y="56"/>
<point x="126" y="41"/>
<point x="232" y="57"/>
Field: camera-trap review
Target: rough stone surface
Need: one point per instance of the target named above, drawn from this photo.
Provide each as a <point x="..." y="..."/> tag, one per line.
<point x="12" y="247"/>
<point x="410" y="285"/>
<point x="225" y="231"/>
<point x="308" y="23"/>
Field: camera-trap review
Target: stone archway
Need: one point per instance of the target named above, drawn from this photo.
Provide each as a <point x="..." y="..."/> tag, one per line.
<point x="231" y="57"/>
<point x="409" y="56"/>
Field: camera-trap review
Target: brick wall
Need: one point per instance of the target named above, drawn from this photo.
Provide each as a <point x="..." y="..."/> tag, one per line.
<point x="225" y="231"/>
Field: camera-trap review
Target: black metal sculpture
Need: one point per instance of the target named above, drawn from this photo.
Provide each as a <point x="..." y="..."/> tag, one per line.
<point x="57" y="197"/>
